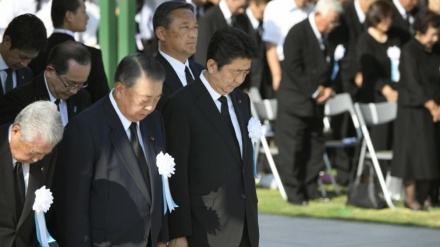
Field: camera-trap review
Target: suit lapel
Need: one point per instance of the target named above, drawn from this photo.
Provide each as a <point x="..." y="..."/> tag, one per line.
<point x="208" y="108"/>
<point x="172" y="80"/>
<point x="123" y="149"/>
<point x="242" y="112"/>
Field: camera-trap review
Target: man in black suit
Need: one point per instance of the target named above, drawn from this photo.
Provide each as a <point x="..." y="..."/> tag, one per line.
<point x="206" y="124"/>
<point x="108" y="187"/>
<point x="304" y="88"/>
<point x="69" y="16"/>
<point x="26" y="164"/>
<point x="176" y="45"/>
<point x="403" y="18"/>
<point x="62" y="82"/>
<point x="23" y="39"/>
<point x="216" y="18"/>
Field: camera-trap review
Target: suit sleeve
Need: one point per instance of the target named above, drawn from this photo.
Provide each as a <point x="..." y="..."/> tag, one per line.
<point x="177" y="127"/>
<point x="10" y="105"/>
<point x="74" y="175"/>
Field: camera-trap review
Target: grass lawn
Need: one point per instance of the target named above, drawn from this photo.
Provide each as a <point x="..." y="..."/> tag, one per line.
<point x="271" y="202"/>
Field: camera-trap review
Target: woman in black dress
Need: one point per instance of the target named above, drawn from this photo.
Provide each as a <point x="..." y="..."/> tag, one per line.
<point x="376" y="70"/>
<point x="417" y="128"/>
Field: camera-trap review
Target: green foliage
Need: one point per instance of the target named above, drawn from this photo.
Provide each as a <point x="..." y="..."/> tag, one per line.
<point x="271" y="202"/>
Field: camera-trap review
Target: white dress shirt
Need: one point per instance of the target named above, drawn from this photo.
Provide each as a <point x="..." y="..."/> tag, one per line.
<point x="178" y="67"/>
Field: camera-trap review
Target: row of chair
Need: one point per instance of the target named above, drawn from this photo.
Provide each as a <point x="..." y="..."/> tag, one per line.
<point x="362" y="116"/>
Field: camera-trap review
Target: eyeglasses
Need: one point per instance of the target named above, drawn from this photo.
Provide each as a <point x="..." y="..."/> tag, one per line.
<point x="71" y="87"/>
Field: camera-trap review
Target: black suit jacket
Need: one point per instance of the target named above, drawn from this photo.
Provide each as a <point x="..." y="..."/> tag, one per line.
<point x="97" y="80"/>
<point x="172" y="82"/>
<point x="213" y="186"/>
<point x="347" y="34"/>
<point x="20" y="97"/>
<point x="400" y="27"/>
<point x="102" y="197"/>
<point x="23" y="75"/>
<point x="21" y="230"/>
<point x="305" y="68"/>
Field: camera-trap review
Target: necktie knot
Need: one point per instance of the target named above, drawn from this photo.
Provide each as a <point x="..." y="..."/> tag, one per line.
<point x="223" y="100"/>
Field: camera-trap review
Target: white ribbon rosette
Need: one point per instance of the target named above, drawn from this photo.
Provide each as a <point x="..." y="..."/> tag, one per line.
<point x="255" y="133"/>
<point x="393" y="53"/>
<point x="338" y="55"/>
<point x="43" y="200"/>
<point x="165" y="164"/>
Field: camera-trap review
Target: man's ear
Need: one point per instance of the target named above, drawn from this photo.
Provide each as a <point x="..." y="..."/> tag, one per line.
<point x="7" y="43"/>
<point x="211" y="65"/>
<point x="160" y="33"/>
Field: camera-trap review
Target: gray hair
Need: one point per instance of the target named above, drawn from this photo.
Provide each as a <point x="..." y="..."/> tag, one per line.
<point x="325" y="6"/>
<point x="40" y="119"/>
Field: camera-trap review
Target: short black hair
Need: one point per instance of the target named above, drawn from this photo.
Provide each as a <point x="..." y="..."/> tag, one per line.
<point x="60" y="8"/>
<point x="132" y="67"/>
<point x="27" y="32"/>
<point x="230" y="43"/>
<point x="424" y="20"/>
<point x="162" y="15"/>
<point x="378" y="11"/>
<point x="60" y="55"/>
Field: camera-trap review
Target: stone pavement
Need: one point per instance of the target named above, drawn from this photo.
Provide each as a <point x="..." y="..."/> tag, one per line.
<point x="283" y="231"/>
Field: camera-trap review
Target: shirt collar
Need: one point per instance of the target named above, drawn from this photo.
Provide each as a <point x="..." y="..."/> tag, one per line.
<point x="3" y="64"/>
<point x="65" y="31"/>
<point x="359" y="12"/>
<point x="51" y="97"/>
<point x="178" y="66"/>
<point x="125" y="122"/>
<point x="313" y="25"/>
<point x="252" y="18"/>
<point x="400" y="8"/>
<point x="211" y="91"/>
<point x="225" y="10"/>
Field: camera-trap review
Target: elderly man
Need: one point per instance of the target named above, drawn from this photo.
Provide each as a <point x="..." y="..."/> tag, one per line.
<point x="62" y="82"/>
<point x="26" y="164"/>
<point x="108" y="185"/>
<point x="22" y="41"/>
<point x="304" y="89"/>
<point x="206" y="124"/>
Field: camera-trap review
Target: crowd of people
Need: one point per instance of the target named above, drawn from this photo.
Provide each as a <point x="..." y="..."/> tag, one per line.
<point x="96" y="145"/>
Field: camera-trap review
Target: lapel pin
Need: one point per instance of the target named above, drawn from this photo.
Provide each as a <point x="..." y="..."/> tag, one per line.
<point x="42" y="169"/>
<point x="151" y="138"/>
<point x="74" y="109"/>
<point x="239" y="101"/>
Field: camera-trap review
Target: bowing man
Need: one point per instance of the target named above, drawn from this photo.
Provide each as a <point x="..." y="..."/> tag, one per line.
<point x="109" y="190"/>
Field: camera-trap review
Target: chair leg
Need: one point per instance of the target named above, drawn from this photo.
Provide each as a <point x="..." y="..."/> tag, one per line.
<point x="329" y="171"/>
<point x="321" y="185"/>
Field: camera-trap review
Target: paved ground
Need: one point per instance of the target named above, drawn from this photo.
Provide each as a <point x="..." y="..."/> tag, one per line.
<point x="281" y="231"/>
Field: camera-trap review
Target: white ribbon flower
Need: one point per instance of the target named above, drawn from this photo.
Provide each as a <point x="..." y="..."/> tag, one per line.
<point x="165" y="164"/>
<point x="255" y="130"/>
<point x="339" y="52"/>
<point x="393" y="53"/>
<point x="43" y="200"/>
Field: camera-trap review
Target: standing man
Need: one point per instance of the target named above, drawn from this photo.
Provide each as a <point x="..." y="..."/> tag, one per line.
<point x="217" y="18"/>
<point x="68" y="17"/>
<point x="304" y="89"/>
<point x="206" y="124"/>
<point x="26" y="164"/>
<point x="404" y="12"/>
<point x="108" y="187"/>
<point x="23" y="39"/>
<point x="176" y="28"/>
<point x="62" y="83"/>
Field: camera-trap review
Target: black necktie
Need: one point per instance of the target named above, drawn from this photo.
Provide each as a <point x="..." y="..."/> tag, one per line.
<point x="19" y="187"/>
<point x="189" y="78"/>
<point x="9" y="83"/>
<point x="139" y="154"/>
<point x="57" y="102"/>
<point x="227" y="117"/>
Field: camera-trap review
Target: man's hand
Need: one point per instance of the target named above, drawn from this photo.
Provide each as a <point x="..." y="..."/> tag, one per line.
<point x="324" y="94"/>
<point x="358" y="79"/>
<point x="389" y="93"/>
<point x="178" y="242"/>
<point x="161" y="244"/>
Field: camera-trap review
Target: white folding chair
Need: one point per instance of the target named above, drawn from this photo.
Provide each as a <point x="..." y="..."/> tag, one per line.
<point x="265" y="110"/>
<point x="372" y="114"/>
<point x="336" y="105"/>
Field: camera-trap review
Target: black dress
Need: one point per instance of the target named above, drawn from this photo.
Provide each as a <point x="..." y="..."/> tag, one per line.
<point x="375" y="66"/>
<point x="417" y="137"/>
